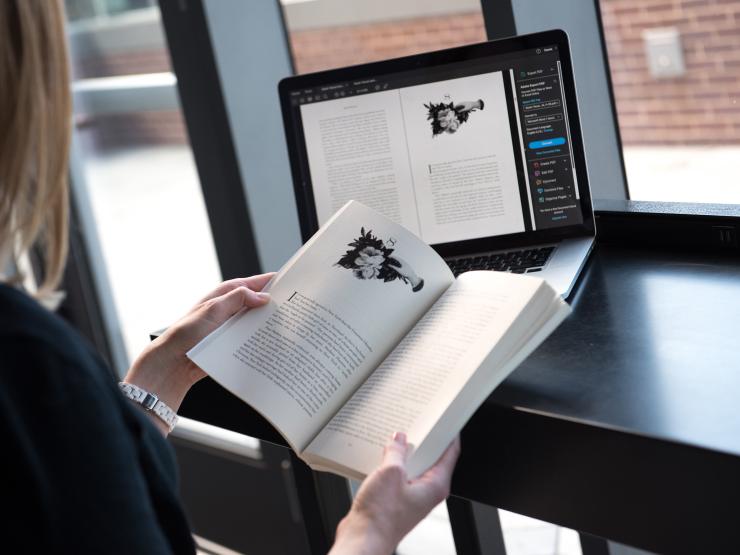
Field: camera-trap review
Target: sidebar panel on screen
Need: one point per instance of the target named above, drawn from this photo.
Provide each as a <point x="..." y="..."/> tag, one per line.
<point x="546" y="140"/>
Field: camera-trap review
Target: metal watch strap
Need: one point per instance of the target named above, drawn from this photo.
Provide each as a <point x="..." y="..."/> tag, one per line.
<point x="150" y="403"/>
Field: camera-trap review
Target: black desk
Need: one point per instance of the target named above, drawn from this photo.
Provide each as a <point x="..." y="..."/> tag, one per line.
<point x="625" y="423"/>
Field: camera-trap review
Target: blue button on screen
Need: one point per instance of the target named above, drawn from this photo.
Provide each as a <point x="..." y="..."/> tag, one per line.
<point x="557" y="141"/>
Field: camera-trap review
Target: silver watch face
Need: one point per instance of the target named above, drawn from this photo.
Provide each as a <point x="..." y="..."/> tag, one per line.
<point x="150" y="403"/>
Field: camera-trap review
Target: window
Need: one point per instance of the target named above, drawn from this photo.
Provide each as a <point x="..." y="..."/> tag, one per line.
<point x="675" y="68"/>
<point x="136" y="166"/>
<point x="89" y="9"/>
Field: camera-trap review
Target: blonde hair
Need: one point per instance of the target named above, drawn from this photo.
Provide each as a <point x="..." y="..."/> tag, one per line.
<point x="35" y="126"/>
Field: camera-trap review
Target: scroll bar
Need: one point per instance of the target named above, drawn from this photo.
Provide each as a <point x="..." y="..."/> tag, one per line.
<point x="521" y="145"/>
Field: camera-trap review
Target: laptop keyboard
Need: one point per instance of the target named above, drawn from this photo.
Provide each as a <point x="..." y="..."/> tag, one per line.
<point x="517" y="262"/>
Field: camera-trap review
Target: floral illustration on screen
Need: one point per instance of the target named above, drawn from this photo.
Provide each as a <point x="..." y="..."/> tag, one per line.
<point x="371" y="258"/>
<point x="447" y="116"/>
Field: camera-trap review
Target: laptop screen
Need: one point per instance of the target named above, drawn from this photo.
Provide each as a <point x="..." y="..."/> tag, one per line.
<point x="458" y="151"/>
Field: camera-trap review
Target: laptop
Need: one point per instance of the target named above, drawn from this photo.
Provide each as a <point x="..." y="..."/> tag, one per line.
<point x="477" y="150"/>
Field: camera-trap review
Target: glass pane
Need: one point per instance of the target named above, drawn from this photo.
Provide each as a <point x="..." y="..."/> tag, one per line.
<point x="116" y="37"/>
<point x="139" y="170"/>
<point x="89" y="9"/>
<point x="676" y="74"/>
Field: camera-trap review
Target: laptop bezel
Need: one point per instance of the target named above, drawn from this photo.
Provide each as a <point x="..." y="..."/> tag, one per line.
<point x="303" y="187"/>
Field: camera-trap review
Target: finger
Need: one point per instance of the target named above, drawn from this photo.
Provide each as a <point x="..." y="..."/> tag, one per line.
<point x="442" y="469"/>
<point x="433" y="486"/>
<point x="224" y="307"/>
<point x="396" y="451"/>
<point x="255" y="283"/>
<point x="448" y="460"/>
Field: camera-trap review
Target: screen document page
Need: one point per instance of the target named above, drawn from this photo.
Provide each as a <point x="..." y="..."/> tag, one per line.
<point x="436" y="157"/>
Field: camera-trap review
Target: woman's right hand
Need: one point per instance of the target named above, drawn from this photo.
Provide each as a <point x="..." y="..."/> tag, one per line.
<point x="389" y="505"/>
<point x="164" y="369"/>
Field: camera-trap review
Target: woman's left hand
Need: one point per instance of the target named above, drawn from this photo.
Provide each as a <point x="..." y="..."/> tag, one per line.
<point x="163" y="369"/>
<point x="389" y="505"/>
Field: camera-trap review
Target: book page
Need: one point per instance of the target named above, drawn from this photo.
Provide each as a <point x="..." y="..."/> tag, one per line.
<point x="337" y="309"/>
<point x="462" y="158"/>
<point x="437" y="157"/>
<point x="356" y="150"/>
<point x="421" y="377"/>
<point x="438" y="435"/>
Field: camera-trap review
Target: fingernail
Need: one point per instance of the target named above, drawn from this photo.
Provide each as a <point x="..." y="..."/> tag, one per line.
<point x="399" y="437"/>
<point x="263" y="296"/>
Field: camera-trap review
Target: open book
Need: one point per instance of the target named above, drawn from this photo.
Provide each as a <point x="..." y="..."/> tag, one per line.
<point x="368" y="333"/>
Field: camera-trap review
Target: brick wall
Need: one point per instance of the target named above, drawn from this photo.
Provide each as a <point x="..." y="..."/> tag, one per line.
<point x="112" y="131"/>
<point x="700" y="107"/>
<point x="317" y="49"/>
<point x="144" y="61"/>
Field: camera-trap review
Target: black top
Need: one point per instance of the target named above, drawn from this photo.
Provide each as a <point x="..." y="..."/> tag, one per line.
<point x="84" y="469"/>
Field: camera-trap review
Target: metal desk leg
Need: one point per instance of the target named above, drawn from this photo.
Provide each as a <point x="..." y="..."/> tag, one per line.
<point x="324" y="499"/>
<point x="476" y="528"/>
<point x="593" y="545"/>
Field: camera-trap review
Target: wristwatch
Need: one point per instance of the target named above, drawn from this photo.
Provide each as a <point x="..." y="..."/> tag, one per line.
<point x="150" y="403"/>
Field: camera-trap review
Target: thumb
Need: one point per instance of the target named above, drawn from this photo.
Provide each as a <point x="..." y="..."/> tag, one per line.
<point x="224" y="307"/>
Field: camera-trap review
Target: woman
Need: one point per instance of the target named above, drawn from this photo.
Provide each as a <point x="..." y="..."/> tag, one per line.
<point x="88" y="471"/>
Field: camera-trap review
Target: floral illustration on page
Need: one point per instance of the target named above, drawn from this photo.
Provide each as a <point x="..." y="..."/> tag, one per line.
<point x="447" y="117"/>
<point x="371" y="258"/>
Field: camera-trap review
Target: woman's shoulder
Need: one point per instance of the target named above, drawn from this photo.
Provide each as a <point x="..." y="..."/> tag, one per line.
<point x="46" y="364"/>
<point x="49" y="371"/>
<point x="22" y="316"/>
<point x="68" y="430"/>
<point x="29" y="332"/>
<point x="46" y="361"/>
